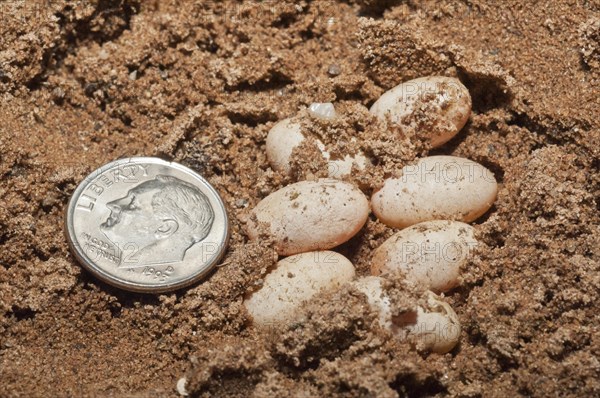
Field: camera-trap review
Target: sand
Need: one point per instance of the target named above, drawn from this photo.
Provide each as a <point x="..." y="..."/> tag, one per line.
<point x="82" y="85"/>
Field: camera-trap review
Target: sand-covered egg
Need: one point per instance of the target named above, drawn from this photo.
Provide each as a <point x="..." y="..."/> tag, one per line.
<point x="309" y="215"/>
<point x="287" y="135"/>
<point x="432" y="325"/>
<point x="283" y="137"/>
<point x="436" y="107"/>
<point x="430" y="253"/>
<point x="294" y="281"/>
<point x="435" y="188"/>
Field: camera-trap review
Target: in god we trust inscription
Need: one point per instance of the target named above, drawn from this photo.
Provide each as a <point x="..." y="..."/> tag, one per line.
<point x="147" y="225"/>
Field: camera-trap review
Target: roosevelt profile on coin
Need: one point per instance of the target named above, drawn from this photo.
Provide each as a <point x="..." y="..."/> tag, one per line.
<point x="162" y="218"/>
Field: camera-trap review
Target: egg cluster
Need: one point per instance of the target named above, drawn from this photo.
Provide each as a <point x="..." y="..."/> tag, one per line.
<point x="430" y="202"/>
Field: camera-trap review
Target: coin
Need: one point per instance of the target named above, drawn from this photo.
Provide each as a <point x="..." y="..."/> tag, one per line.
<point x="147" y="225"/>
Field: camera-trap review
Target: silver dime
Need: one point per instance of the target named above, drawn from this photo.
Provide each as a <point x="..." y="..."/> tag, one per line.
<point x="147" y="225"/>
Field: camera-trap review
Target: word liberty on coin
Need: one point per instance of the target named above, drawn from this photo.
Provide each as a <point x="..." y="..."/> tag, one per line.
<point x="147" y="225"/>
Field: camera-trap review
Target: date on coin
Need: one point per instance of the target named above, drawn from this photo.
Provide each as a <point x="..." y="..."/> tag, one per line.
<point x="147" y="225"/>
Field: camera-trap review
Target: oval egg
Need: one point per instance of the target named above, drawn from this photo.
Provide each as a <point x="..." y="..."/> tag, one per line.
<point x="435" y="188"/>
<point x="437" y="107"/>
<point x="310" y="215"/>
<point x="294" y="281"/>
<point x="430" y="253"/>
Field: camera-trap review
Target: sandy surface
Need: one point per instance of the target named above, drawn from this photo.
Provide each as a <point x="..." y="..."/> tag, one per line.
<point x="81" y="85"/>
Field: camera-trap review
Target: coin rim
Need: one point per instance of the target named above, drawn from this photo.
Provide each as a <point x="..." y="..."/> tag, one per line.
<point x="119" y="282"/>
